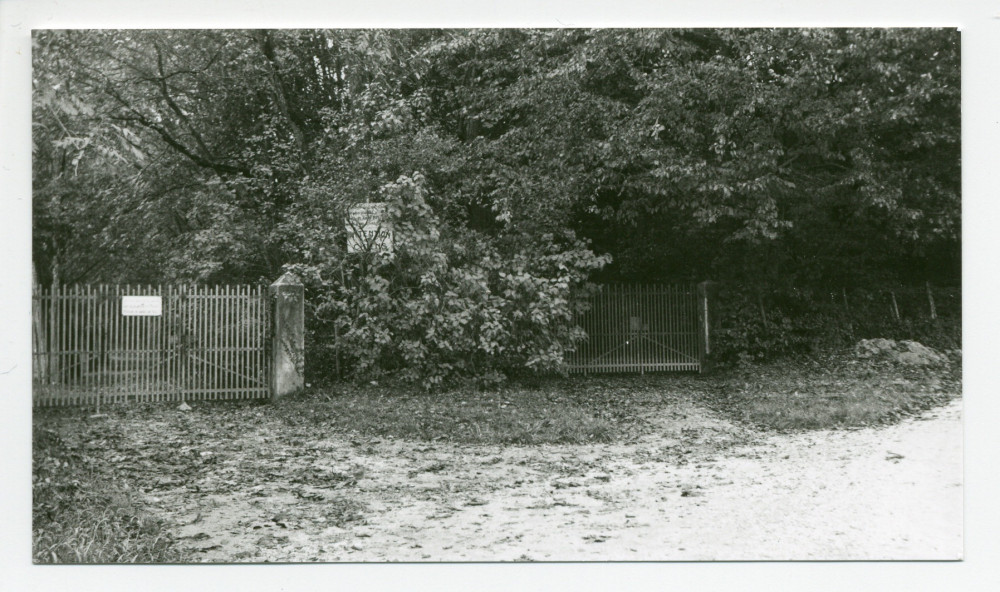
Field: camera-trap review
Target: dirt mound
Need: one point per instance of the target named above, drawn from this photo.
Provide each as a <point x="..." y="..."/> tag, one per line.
<point x="907" y="353"/>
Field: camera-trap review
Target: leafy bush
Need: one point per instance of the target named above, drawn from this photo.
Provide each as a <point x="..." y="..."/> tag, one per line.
<point x="448" y="303"/>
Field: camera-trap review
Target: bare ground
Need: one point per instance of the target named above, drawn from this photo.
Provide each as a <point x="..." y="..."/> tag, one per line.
<point x="696" y="487"/>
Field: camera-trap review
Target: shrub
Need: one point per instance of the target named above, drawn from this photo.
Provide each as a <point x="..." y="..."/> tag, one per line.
<point x="448" y="303"/>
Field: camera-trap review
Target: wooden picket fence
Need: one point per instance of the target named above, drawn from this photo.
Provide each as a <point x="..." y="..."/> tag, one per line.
<point x="102" y="344"/>
<point x="642" y="328"/>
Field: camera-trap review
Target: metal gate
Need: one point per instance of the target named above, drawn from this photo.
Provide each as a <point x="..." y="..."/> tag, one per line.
<point x="94" y="344"/>
<point x="641" y="328"/>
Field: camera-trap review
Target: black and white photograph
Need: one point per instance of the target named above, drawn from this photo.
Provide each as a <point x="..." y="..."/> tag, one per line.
<point x="496" y="295"/>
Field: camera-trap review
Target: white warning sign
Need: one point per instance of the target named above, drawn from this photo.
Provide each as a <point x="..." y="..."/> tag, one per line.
<point x="368" y="229"/>
<point x="142" y="306"/>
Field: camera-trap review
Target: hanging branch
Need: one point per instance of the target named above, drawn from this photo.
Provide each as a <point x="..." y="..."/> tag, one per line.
<point x="161" y="83"/>
<point x="203" y="159"/>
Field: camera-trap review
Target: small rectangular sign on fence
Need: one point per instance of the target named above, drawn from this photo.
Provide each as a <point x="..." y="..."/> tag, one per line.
<point x="142" y="306"/>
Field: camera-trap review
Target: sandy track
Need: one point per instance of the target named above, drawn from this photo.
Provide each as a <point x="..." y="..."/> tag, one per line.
<point x="699" y="488"/>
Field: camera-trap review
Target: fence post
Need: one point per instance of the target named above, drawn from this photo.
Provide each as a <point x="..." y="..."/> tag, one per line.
<point x="706" y="293"/>
<point x="287" y="300"/>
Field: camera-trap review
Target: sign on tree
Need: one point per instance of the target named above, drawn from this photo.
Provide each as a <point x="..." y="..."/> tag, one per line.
<point x="368" y="229"/>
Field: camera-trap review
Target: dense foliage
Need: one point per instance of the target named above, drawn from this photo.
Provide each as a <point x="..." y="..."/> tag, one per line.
<point x="445" y="302"/>
<point x="788" y="158"/>
<point x="761" y="325"/>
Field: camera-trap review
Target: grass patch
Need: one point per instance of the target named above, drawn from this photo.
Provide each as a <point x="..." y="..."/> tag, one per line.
<point x="815" y="393"/>
<point x="79" y="517"/>
<point x="829" y="392"/>
<point x="518" y="415"/>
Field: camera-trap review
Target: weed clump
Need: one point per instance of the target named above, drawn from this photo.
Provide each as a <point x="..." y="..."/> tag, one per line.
<point x="79" y="517"/>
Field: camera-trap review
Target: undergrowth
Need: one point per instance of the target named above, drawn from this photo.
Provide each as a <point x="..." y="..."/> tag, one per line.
<point x="551" y="414"/>
<point x="79" y="517"/>
<point x="825" y="392"/>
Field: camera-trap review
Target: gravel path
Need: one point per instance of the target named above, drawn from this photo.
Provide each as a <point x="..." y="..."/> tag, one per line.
<point x="890" y="493"/>
<point x="700" y="488"/>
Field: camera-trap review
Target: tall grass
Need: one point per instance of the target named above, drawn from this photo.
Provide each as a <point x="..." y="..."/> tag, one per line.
<point x="83" y="517"/>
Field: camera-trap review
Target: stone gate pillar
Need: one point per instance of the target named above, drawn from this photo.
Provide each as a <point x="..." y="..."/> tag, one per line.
<point x="287" y="300"/>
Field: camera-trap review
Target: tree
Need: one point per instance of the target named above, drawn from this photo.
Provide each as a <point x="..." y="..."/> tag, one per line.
<point x="762" y="156"/>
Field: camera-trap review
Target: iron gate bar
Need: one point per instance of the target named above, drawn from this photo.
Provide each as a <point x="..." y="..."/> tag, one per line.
<point x="653" y="341"/>
<point x="224" y="370"/>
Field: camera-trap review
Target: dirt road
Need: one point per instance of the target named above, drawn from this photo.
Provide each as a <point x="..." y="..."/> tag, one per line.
<point x="697" y="488"/>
